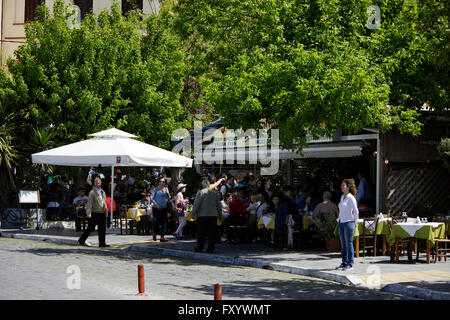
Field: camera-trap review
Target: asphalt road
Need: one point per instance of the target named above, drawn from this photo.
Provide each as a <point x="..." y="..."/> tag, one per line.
<point x="44" y="271"/>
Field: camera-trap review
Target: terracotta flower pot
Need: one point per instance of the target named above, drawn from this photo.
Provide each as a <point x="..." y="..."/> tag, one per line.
<point x="333" y="245"/>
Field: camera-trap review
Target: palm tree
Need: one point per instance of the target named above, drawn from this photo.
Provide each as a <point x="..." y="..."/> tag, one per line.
<point x="8" y="156"/>
<point x="41" y="139"/>
<point x="7" y="151"/>
<point x="38" y="140"/>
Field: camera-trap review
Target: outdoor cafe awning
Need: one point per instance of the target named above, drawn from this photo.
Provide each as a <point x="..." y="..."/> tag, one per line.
<point x="111" y="148"/>
<point x="333" y="150"/>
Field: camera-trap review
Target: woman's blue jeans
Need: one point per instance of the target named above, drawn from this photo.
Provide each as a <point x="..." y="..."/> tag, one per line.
<point x="346" y="231"/>
<point x="160" y="216"/>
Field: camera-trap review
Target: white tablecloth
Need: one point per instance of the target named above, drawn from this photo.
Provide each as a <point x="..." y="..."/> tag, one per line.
<point x="381" y="219"/>
<point x="370" y="225"/>
<point x="412" y="228"/>
<point x="266" y="220"/>
<point x="134" y="210"/>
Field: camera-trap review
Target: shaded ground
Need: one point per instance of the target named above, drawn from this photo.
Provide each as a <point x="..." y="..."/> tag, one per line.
<point x="38" y="270"/>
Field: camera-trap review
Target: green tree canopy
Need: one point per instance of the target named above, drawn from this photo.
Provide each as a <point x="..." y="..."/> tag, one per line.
<point x="65" y="83"/>
<point x="112" y="71"/>
<point x="310" y="66"/>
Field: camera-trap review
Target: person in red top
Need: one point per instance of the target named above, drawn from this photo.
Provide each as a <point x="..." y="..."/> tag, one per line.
<point x="238" y="204"/>
<point x="108" y="206"/>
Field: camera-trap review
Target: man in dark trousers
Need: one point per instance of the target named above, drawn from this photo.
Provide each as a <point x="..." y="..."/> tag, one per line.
<point x="208" y="209"/>
<point x="96" y="211"/>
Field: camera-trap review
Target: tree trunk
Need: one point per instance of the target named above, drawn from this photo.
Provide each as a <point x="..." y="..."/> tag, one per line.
<point x="8" y="192"/>
<point x="177" y="177"/>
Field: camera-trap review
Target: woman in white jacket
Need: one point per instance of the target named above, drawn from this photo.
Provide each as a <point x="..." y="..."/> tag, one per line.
<point x="348" y="215"/>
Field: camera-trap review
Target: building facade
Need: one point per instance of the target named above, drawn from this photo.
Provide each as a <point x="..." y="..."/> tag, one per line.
<point x="16" y="13"/>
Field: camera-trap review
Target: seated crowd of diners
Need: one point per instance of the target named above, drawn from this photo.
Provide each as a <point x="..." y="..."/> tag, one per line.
<point x="62" y="200"/>
<point x="263" y="197"/>
<point x="244" y="199"/>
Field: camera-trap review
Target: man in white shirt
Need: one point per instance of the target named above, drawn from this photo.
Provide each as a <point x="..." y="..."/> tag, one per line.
<point x="228" y="187"/>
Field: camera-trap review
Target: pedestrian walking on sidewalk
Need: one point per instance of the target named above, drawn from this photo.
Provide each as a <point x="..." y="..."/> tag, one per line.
<point x="208" y="209"/>
<point x="348" y="215"/>
<point x="180" y="206"/>
<point x="96" y="210"/>
<point x="160" y="199"/>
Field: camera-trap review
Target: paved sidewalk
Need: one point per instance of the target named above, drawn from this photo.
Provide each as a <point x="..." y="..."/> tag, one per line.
<point x="417" y="280"/>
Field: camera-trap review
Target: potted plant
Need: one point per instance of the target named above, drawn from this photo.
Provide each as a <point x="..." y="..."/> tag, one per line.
<point x="326" y="228"/>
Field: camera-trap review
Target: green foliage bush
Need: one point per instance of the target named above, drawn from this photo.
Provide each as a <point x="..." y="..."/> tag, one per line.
<point x="326" y="227"/>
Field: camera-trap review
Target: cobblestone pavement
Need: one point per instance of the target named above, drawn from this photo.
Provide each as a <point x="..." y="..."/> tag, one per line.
<point x="39" y="270"/>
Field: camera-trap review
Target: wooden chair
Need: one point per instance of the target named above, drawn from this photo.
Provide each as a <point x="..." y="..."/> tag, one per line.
<point x="148" y="225"/>
<point x="80" y="215"/>
<point x="369" y="233"/>
<point x="144" y="226"/>
<point x="116" y="218"/>
<point x="125" y="223"/>
<point x="239" y="228"/>
<point x="400" y="243"/>
<point x="439" y="217"/>
<point x="441" y="250"/>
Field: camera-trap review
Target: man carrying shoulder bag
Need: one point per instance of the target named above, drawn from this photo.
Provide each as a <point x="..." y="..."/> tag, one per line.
<point x="96" y="211"/>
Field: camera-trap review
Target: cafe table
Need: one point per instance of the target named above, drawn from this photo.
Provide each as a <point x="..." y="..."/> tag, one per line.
<point x="136" y="213"/>
<point x="189" y="218"/>
<point x="382" y="229"/>
<point x="267" y="222"/>
<point x="418" y="230"/>
<point x="307" y="222"/>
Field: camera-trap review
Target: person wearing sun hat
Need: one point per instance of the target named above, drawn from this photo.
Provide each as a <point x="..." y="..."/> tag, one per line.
<point x="180" y="205"/>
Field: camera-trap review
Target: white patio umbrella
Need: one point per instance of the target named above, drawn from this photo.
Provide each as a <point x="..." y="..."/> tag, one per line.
<point x="111" y="148"/>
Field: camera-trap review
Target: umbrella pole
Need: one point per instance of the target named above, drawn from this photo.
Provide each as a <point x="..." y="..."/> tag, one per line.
<point x="112" y="197"/>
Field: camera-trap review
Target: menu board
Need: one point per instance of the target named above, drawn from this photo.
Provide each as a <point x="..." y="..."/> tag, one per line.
<point x="29" y="196"/>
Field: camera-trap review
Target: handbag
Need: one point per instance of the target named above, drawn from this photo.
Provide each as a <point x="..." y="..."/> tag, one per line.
<point x="180" y="209"/>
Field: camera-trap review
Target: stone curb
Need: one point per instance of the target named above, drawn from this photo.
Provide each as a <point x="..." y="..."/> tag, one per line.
<point x="343" y="279"/>
<point x="416" y="292"/>
<point x="54" y="239"/>
<point x="352" y="280"/>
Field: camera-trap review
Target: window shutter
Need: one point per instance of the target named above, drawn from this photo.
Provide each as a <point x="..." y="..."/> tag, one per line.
<point x="30" y="9"/>
<point x="128" y="5"/>
<point x="85" y="6"/>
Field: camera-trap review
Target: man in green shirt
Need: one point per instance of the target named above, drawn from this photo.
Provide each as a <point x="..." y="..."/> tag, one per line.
<point x="207" y="209"/>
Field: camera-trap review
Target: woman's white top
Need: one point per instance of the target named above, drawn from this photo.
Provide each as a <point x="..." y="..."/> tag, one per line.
<point x="225" y="209"/>
<point x="348" y="209"/>
<point x="252" y="207"/>
<point x="261" y="210"/>
<point x="179" y="198"/>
